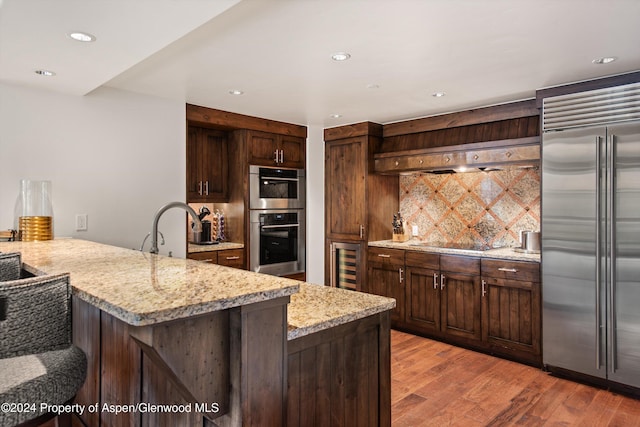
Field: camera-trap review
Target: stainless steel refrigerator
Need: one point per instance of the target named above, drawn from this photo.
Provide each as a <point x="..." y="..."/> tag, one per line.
<point x="591" y="233"/>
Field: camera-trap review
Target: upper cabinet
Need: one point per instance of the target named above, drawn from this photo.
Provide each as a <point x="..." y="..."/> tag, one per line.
<point x="207" y="165"/>
<point x="270" y="149"/>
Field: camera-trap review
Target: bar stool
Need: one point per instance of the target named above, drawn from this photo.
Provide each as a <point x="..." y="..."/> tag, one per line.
<point x="38" y="363"/>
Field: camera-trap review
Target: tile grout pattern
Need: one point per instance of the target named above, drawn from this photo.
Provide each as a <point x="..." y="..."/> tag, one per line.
<point x="485" y="208"/>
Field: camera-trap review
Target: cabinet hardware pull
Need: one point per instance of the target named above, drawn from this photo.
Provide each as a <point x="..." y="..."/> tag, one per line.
<point x="484" y="288"/>
<point x="281" y="156"/>
<point x="231" y="258"/>
<point x="200" y="188"/>
<point x="384" y="255"/>
<point x="400" y="271"/>
<point x="435" y="280"/>
<point x="208" y="260"/>
<point x="361" y="231"/>
<point x="206" y="188"/>
<point x="275" y="159"/>
<point x="442" y="279"/>
<point x="508" y="270"/>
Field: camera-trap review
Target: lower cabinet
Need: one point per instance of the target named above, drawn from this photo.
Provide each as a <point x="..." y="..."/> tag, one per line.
<point x="511" y="320"/>
<point x="229" y="257"/>
<point x="443" y="295"/>
<point x="386" y="277"/>
<point x="488" y="304"/>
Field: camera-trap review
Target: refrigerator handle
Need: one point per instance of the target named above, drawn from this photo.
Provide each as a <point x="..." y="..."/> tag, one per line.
<point x="612" y="253"/>
<point x="598" y="244"/>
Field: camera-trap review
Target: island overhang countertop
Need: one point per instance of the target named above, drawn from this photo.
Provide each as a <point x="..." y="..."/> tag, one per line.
<point x="141" y="289"/>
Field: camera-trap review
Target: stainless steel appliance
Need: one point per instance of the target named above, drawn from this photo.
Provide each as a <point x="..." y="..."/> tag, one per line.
<point x="276" y="188"/>
<point x="591" y="233"/>
<point x="277" y="241"/>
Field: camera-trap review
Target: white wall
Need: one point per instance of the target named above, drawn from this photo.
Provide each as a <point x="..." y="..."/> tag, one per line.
<point x="114" y="155"/>
<point x="315" y="205"/>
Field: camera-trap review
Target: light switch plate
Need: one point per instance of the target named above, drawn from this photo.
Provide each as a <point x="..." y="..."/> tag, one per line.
<point x="81" y="222"/>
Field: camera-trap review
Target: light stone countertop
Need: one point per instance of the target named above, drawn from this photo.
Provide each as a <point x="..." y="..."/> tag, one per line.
<point x="499" y="253"/>
<point x="142" y="289"/>
<point x="192" y="248"/>
<point x="318" y="307"/>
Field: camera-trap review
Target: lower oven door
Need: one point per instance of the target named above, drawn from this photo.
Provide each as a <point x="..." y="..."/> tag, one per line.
<point x="277" y="242"/>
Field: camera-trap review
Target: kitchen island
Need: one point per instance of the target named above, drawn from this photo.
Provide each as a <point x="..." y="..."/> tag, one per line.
<point x="224" y="346"/>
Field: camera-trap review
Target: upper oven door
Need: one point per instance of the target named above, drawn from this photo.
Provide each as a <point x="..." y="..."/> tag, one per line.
<point x="276" y="188"/>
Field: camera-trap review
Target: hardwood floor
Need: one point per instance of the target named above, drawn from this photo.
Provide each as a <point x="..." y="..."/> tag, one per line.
<point x="436" y="384"/>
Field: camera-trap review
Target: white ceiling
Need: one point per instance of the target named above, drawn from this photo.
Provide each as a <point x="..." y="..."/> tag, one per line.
<point x="279" y="51"/>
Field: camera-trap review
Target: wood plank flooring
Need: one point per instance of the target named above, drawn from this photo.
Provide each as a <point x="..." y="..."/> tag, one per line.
<point x="436" y="384"/>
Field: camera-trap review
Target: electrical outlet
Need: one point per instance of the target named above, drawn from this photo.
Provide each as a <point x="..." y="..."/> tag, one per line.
<point x="81" y="222"/>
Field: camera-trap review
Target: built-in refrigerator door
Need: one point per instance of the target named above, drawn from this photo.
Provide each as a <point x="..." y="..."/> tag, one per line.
<point x="624" y="278"/>
<point x="574" y="336"/>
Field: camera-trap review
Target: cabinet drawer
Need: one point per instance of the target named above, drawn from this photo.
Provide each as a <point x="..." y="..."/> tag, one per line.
<point x="231" y="258"/>
<point x="514" y="270"/>
<point x="460" y="264"/>
<point x="211" y="257"/>
<point x="422" y="260"/>
<point x="386" y="256"/>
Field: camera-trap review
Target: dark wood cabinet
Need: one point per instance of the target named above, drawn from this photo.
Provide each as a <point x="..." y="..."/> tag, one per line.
<point x="229" y="257"/>
<point x="386" y="277"/>
<point x="207" y="165"/>
<point x="345" y="175"/>
<point x="359" y="205"/>
<point x="422" y="306"/>
<point x="460" y="298"/>
<point x="511" y="308"/>
<point x="443" y="295"/>
<point x="270" y="149"/>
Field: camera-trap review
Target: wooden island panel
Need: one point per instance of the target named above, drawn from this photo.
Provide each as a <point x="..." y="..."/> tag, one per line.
<point x="232" y="360"/>
<point x="341" y="376"/>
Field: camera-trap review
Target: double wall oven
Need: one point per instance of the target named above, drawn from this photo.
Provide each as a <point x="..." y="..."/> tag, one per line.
<point x="277" y="216"/>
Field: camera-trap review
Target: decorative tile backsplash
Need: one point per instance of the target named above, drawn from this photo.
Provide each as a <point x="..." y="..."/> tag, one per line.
<point x="481" y="208"/>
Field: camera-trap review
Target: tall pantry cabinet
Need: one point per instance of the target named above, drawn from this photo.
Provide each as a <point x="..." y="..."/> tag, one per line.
<point x="359" y="205"/>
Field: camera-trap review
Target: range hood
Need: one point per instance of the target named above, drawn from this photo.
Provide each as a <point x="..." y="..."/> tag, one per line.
<point x="492" y="155"/>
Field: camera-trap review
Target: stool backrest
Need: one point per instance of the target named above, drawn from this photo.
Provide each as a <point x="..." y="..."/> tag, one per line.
<point x="37" y="315"/>
<point x="10" y="266"/>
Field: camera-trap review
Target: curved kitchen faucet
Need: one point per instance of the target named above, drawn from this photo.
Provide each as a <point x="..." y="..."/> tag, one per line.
<point x="154" y="230"/>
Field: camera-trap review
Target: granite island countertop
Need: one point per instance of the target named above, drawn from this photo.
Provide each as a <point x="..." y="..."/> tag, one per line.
<point x="142" y="289"/>
<point x="498" y="253"/>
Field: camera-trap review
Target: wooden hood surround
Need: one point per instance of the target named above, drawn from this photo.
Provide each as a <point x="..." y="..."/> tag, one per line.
<point x="490" y="137"/>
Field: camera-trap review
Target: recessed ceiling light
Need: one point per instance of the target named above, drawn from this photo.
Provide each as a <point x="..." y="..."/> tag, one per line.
<point x="340" y="56"/>
<point x="45" y="73"/>
<point x="438" y="94"/>
<point x="335" y="116"/>
<point x="236" y="92"/>
<point x="373" y="86"/>
<point x="82" y="37"/>
<point x="604" y="60"/>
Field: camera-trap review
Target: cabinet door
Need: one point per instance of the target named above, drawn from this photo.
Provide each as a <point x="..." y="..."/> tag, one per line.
<point x="209" y="256"/>
<point x="262" y="148"/>
<point x="207" y="165"/>
<point x="388" y="280"/>
<point x="215" y="165"/>
<point x="423" y="299"/>
<point x="345" y="193"/>
<point x="231" y="258"/>
<point x="194" y="164"/>
<point x="511" y="315"/>
<point x="293" y="151"/>
<point x="461" y="305"/>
